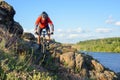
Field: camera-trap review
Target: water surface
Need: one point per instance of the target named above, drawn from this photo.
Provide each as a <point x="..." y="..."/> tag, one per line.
<point x="109" y="60"/>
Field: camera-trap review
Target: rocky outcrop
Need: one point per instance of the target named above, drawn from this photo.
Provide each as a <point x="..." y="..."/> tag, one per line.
<point x="86" y="66"/>
<point x="28" y="36"/>
<point x="7" y="22"/>
<point x="6" y="12"/>
<point x="10" y="30"/>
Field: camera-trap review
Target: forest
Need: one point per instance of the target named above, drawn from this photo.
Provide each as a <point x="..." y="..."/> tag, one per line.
<point x="100" y="45"/>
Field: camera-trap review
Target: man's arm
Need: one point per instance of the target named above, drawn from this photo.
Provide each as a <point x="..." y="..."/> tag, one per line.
<point x="38" y="20"/>
<point x="51" y="24"/>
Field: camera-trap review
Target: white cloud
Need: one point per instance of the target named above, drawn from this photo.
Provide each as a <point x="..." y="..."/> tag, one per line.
<point x="74" y="30"/>
<point x="79" y="30"/>
<point x="72" y="36"/>
<point x="103" y="30"/>
<point x="117" y="23"/>
<point x="110" y="20"/>
<point x="61" y="35"/>
<point x="29" y="30"/>
<point x="59" y="30"/>
<point x="69" y="30"/>
<point x="68" y="34"/>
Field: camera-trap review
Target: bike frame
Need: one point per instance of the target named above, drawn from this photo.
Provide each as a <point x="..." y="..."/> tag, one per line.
<point x="43" y="41"/>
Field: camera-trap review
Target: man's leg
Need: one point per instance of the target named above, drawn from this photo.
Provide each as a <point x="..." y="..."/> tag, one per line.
<point x="48" y="32"/>
<point x="39" y="36"/>
<point x="38" y="41"/>
<point x="49" y="37"/>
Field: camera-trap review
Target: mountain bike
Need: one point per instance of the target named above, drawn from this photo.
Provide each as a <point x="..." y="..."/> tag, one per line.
<point x="44" y="41"/>
<point x="44" y="46"/>
<point x="44" y="49"/>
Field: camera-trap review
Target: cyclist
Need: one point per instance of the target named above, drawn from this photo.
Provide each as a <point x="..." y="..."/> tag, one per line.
<point x="43" y="22"/>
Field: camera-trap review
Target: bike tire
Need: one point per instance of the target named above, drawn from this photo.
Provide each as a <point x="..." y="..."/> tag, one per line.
<point x="43" y="48"/>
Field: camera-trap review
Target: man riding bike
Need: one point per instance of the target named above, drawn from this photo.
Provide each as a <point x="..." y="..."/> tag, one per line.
<point x="43" y="22"/>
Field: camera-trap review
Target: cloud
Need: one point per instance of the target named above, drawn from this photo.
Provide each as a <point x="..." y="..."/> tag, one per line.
<point x="29" y="30"/>
<point x="79" y="30"/>
<point x="110" y="20"/>
<point x="62" y="35"/>
<point x="72" y="36"/>
<point x="75" y="30"/>
<point x="69" y="31"/>
<point x="68" y="34"/>
<point x="59" y="30"/>
<point x="103" y="30"/>
<point x="117" y="23"/>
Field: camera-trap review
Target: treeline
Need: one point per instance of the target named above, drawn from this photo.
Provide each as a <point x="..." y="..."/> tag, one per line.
<point x="100" y="45"/>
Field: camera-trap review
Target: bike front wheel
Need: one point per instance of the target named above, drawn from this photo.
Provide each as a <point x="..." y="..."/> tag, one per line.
<point x="43" y="48"/>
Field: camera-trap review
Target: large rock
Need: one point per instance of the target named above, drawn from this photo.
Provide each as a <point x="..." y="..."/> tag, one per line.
<point x="6" y="11"/>
<point x="28" y="36"/>
<point x="16" y="29"/>
<point x="97" y="66"/>
<point x="68" y="59"/>
<point x="10" y="30"/>
<point x="86" y="66"/>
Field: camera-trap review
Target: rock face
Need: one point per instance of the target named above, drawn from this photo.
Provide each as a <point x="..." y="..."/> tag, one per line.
<point x="7" y="19"/>
<point x="6" y="12"/>
<point x="86" y="66"/>
<point x="8" y="27"/>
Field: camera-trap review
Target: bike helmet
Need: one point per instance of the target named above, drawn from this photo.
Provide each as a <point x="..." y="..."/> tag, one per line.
<point x="44" y="14"/>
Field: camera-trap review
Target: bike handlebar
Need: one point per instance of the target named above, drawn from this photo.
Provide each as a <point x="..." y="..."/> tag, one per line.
<point x="44" y="33"/>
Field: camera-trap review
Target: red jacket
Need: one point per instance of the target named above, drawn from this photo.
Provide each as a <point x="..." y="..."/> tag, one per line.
<point x="43" y="23"/>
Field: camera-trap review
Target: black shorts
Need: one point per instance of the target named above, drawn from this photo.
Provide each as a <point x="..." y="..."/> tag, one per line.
<point x="39" y="30"/>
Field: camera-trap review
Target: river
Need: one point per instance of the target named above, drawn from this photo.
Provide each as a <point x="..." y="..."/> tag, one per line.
<point x="109" y="60"/>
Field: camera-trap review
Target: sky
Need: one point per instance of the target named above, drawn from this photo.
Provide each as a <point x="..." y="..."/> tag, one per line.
<point x="74" y="20"/>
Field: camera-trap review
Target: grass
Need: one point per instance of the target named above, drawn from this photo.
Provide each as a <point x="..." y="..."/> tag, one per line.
<point x="20" y="67"/>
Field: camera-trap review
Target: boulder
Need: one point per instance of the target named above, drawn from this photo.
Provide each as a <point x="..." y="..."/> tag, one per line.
<point x="28" y="36"/>
<point x="86" y="66"/>
<point x="10" y="30"/>
<point x="97" y="66"/>
<point x="6" y="12"/>
<point x="16" y="29"/>
<point x="68" y="59"/>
